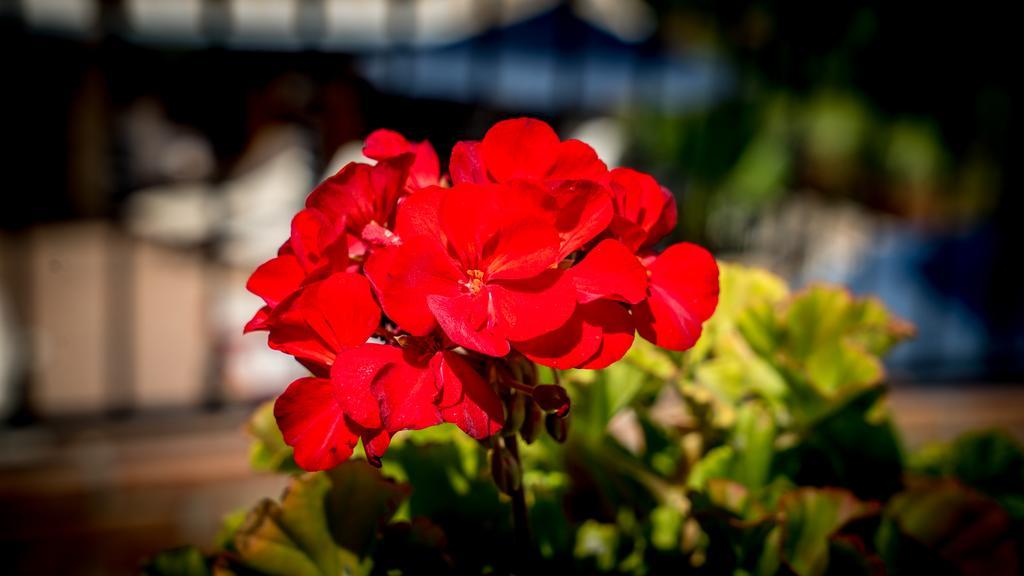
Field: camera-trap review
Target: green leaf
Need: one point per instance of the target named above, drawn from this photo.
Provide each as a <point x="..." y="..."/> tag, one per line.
<point x="837" y="449"/>
<point x="990" y="461"/>
<point x="735" y="524"/>
<point x="666" y="528"/>
<point x="187" y="561"/>
<point x="809" y="519"/>
<point x="292" y="538"/>
<point x="747" y="456"/>
<point x="599" y="395"/>
<point x="229" y="525"/>
<point x="944" y="523"/>
<point x="416" y="547"/>
<point x="717" y="463"/>
<point x="754" y="444"/>
<point x="453" y="487"/>
<point x="656" y="362"/>
<point x="741" y="288"/>
<point x="598" y="543"/>
<point x="268" y="452"/>
<point x="360" y="502"/>
<point x="836" y="338"/>
<point x="552" y="530"/>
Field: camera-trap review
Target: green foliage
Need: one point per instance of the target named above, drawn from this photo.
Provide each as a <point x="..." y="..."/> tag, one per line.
<point x="268" y="452"/>
<point x="293" y="536"/>
<point x="989" y="461"/>
<point x="766" y="449"/>
<point x="187" y="561"/>
<point x="944" y="525"/>
<point x="811" y="518"/>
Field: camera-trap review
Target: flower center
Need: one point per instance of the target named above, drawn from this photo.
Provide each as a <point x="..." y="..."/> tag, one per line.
<point x="475" y="282"/>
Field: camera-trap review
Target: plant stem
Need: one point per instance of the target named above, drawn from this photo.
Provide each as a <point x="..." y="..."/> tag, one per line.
<point x="520" y="517"/>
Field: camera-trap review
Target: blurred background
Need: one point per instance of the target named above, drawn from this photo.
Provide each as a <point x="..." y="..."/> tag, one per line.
<point x="155" y="150"/>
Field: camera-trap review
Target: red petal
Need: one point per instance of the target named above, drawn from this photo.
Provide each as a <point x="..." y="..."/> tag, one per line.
<point x="522" y="251"/>
<point x="404" y="277"/>
<point x="385" y="144"/>
<point x="469" y="320"/>
<point x="259" y="321"/>
<point x="500" y="230"/>
<point x="375" y="443"/>
<point x="318" y="369"/>
<point x="426" y="168"/>
<point x="467" y="165"/>
<point x="628" y="232"/>
<point x="313" y="423"/>
<point x="353" y="374"/>
<point x="666" y="222"/>
<point x="313" y="238"/>
<point x="418" y="214"/>
<point x="528" y="308"/>
<point x="360" y="193"/>
<point x="520" y="148"/>
<point x="684" y="293"/>
<point x="276" y="279"/>
<point x="470" y="217"/>
<point x="408" y="395"/>
<point x="612" y="271"/>
<point x="617" y="332"/>
<point x="326" y="317"/>
<point x="641" y="200"/>
<point x="565" y="347"/>
<point x="578" y="161"/>
<point x="388" y="144"/>
<point x="471" y="404"/>
<point x="584" y="210"/>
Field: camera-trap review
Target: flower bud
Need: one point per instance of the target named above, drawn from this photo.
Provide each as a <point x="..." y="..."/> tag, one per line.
<point x="505" y="470"/>
<point x="551" y="398"/>
<point x="531" y="422"/>
<point x="515" y="409"/>
<point x="558" y="426"/>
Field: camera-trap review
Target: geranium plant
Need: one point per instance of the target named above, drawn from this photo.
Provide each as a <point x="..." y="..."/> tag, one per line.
<point x="415" y="298"/>
<point x="477" y="308"/>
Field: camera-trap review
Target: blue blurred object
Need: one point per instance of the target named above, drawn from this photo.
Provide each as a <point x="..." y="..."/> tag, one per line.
<point x="940" y="281"/>
<point x="552" y="63"/>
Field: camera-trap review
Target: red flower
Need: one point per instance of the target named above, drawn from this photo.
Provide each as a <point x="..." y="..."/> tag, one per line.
<point x="363" y="198"/>
<point x="668" y="296"/>
<point x="317" y="247"/>
<point x="344" y="215"/>
<point x="525" y="149"/>
<point x="375" y="391"/>
<point x="425" y="170"/>
<point x="396" y="389"/>
<point x="645" y="211"/>
<point x="324" y="318"/>
<point x="683" y="294"/>
<point x="484" y="272"/>
<point x="537" y="247"/>
<point x="313" y="423"/>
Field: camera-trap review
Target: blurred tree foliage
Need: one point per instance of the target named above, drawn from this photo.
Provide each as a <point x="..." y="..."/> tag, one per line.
<point x="766" y="449"/>
<point x="903" y="108"/>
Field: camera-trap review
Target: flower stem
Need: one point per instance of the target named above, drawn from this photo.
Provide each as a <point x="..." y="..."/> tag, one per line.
<point x="520" y="517"/>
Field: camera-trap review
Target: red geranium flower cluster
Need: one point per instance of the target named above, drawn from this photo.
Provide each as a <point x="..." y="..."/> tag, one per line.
<point x="413" y="302"/>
